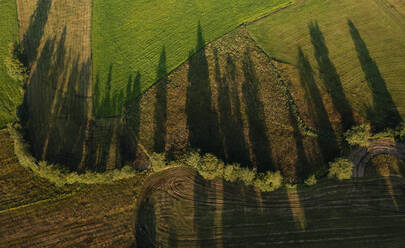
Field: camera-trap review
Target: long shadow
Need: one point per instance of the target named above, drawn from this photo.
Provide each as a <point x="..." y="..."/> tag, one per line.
<point x="303" y="168"/>
<point x="330" y="77"/>
<point x="256" y="118"/>
<point x="204" y="211"/>
<point x="202" y="120"/>
<point x="32" y="37"/>
<point x="241" y="208"/>
<point x="55" y="107"/>
<point x="104" y="103"/>
<point x="132" y="117"/>
<point x="328" y="145"/>
<point x="145" y="230"/>
<point x="384" y="113"/>
<point x="160" y="114"/>
<point x="229" y="113"/>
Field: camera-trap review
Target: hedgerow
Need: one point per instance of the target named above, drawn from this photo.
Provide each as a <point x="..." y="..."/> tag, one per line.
<point x="57" y="174"/>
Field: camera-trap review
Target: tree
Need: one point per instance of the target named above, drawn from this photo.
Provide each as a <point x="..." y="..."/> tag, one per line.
<point x="310" y="181"/>
<point x="211" y="167"/>
<point x="14" y="63"/>
<point x="359" y="135"/>
<point x="269" y="181"/>
<point x="341" y="168"/>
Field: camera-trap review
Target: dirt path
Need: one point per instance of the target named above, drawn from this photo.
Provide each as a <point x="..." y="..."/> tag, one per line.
<point x="362" y="155"/>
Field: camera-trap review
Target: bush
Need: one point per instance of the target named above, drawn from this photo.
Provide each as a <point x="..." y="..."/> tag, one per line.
<point x="14" y="64"/>
<point x="310" y="181"/>
<point x="158" y="162"/>
<point x="232" y="172"/>
<point x="341" y="168"/>
<point x="58" y="175"/>
<point x="211" y="167"/>
<point x="192" y="159"/>
<point x="269" y="181"/>
<point x="400" y="133"/>
<point x="247" y="176"/>
<point x="359" y="135"/>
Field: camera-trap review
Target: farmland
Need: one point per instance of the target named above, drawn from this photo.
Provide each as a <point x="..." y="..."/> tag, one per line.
<point x="128" y="37"/>
<point x="203" y="124"/>
<point x="10" y="90"/>
<point x="34" y="211"/>
<point x="192" y="212"/>
<point x="178" y="208"/>
<point x="354" y="58"/>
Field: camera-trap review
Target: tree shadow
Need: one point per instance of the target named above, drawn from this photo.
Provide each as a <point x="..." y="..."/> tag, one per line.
<point x="330" y="77"/>
<point x="145" y="229"/>
<point x="108" y="104"/>
<point x="160" y="115"/>
<point x="328" y="144"/>
<point x="384" y="113"/>
<point x="201" y="117"/>
<point x="55" y="104"/>
<point x="32" y="37"/>
<point x="262" y="157"/>
<point x="229" y="113"/>
<point x="303" y="168"/>
<point x="132" y="118"/>
<point x="204" y="211"/>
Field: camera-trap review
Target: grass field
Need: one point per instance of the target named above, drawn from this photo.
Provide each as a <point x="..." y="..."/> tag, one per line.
<point x="355" y="52"/>
<point x="128" y="37"/>
<point x="10" y="90"/>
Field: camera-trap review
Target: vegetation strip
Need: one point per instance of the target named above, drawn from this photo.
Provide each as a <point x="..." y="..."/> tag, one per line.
<point x="59" y="176"/>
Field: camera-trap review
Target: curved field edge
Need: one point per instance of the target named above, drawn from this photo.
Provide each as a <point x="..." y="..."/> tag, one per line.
<point x="59" y="176"/>
<point x="133" y="41"/>
<point x="343" y="43"/>
<point x="11" y="94"/>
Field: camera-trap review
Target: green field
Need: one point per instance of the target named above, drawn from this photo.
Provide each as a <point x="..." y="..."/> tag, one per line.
<point x="129" y="36"/>
<point x="10" y="90"/>
<point x="355" y="49"/>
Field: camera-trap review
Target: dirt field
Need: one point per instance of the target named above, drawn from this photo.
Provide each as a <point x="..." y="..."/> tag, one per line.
<point x="229" y="100"/>
<point x="35" y="213"/>
<point x="180" y="209"/>
<point x="56" y="39"/>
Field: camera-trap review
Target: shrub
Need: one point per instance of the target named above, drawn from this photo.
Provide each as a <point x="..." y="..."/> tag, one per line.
<point x="341" y="168"/>
<point x="57" y="174"/>
<point x="400" y="133"/>
<point x="14" y="64"/>
<point x="192" y="159"/>
<point x="247" y="176"/>
<point x="310" y="181"/>
<point x="359" y="135"/>
<point x="232" y="172"/>
<point x="158" y="162"/>
<point x="269" y="181"/>
<point x="211" y="167"/>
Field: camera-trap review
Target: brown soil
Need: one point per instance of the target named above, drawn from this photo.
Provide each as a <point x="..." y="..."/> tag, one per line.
<point x="229" y="99"/>
<point x="180" y="209"/>
<point x="56" y="36"/>
<point x="35" y="213"/>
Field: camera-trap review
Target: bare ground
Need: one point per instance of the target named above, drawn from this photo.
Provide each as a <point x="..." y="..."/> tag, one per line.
<point x="180" y="209"/>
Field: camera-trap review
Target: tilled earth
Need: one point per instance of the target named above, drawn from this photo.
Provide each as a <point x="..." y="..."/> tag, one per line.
<point x="180" y="209"/>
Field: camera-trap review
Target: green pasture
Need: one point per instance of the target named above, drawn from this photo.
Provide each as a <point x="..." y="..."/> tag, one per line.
<point x="355" y="49"/>
<point x="10" y="90"/>
<point x="128" y="37"/>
